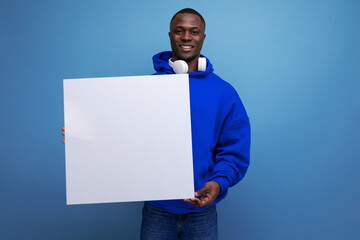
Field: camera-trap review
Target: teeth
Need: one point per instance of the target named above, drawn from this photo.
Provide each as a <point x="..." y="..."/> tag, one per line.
<point x="186" y="47"/>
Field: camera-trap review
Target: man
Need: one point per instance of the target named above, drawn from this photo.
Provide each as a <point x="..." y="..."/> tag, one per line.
<point x="220" y="138"/>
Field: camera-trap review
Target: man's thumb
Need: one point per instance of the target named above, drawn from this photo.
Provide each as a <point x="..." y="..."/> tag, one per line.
<point x="200" y="192"/>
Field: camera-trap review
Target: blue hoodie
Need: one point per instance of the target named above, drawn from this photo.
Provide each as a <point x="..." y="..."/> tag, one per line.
<point x="220" y="133"/>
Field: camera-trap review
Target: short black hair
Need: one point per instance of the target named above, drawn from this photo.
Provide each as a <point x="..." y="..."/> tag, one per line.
<point x="191" y="11"/>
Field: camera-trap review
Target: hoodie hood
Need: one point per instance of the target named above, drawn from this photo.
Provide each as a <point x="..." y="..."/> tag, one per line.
<point x="161" y="65"/>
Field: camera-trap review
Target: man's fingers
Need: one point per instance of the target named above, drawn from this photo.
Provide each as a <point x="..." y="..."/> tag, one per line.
<point x="203" y="201"/>
<point x="63" y="133"/>
<point x="194" y="201"/>
<point x="206" y="195"/>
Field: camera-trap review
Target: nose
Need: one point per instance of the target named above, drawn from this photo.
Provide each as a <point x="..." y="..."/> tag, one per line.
<point x="186" y="37"/>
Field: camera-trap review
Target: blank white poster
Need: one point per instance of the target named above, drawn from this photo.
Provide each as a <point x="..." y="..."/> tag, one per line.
<point x="128" y="139"/>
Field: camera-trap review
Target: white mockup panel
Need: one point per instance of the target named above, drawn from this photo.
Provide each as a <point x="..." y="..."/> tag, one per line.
<point x="128" y="139"/>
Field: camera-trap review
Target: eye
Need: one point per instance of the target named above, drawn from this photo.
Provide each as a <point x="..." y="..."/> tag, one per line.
<point x="178" y="31"/>
<point x="194" y="32"/>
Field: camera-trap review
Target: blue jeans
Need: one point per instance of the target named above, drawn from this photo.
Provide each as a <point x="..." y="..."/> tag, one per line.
<point x="158" y="224"/>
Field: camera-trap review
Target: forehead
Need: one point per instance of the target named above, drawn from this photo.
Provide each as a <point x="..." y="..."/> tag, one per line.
<point x="187" y="20"/>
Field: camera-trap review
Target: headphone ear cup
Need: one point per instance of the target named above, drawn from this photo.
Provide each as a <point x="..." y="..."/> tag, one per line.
<point x="179" y="66"/>
<point x="202" y="64"/>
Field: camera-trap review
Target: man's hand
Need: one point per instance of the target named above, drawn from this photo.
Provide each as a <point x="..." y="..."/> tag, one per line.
<point x="205" y="196"/>
<point x="63" y="133"/>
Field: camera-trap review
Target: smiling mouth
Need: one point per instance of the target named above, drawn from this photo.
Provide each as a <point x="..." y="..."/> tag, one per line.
<point x="186" y="47"/>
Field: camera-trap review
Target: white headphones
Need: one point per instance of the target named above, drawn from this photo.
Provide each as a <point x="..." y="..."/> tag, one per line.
<point x="181" y="67"/>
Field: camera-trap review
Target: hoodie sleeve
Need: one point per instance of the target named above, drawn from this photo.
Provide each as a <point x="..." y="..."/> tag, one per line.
<point x="232" y="151"/>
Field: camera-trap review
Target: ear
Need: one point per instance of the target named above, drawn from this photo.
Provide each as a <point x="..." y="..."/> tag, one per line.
<point x="203" y="38"/>
<point x="169" y="34"/>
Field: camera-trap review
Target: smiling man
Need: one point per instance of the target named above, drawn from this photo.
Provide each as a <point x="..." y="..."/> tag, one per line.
<point x="220" y="137"/>
<point x="187" y="34"/>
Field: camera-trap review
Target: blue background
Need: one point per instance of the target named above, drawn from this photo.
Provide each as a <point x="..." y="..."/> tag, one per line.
<point x="295" y="64"/>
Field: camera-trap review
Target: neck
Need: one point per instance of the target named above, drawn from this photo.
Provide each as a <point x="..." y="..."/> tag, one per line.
<point x="192" y="63"/>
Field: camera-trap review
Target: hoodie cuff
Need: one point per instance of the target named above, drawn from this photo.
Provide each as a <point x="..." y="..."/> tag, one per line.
<point x="223" y="182"/>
